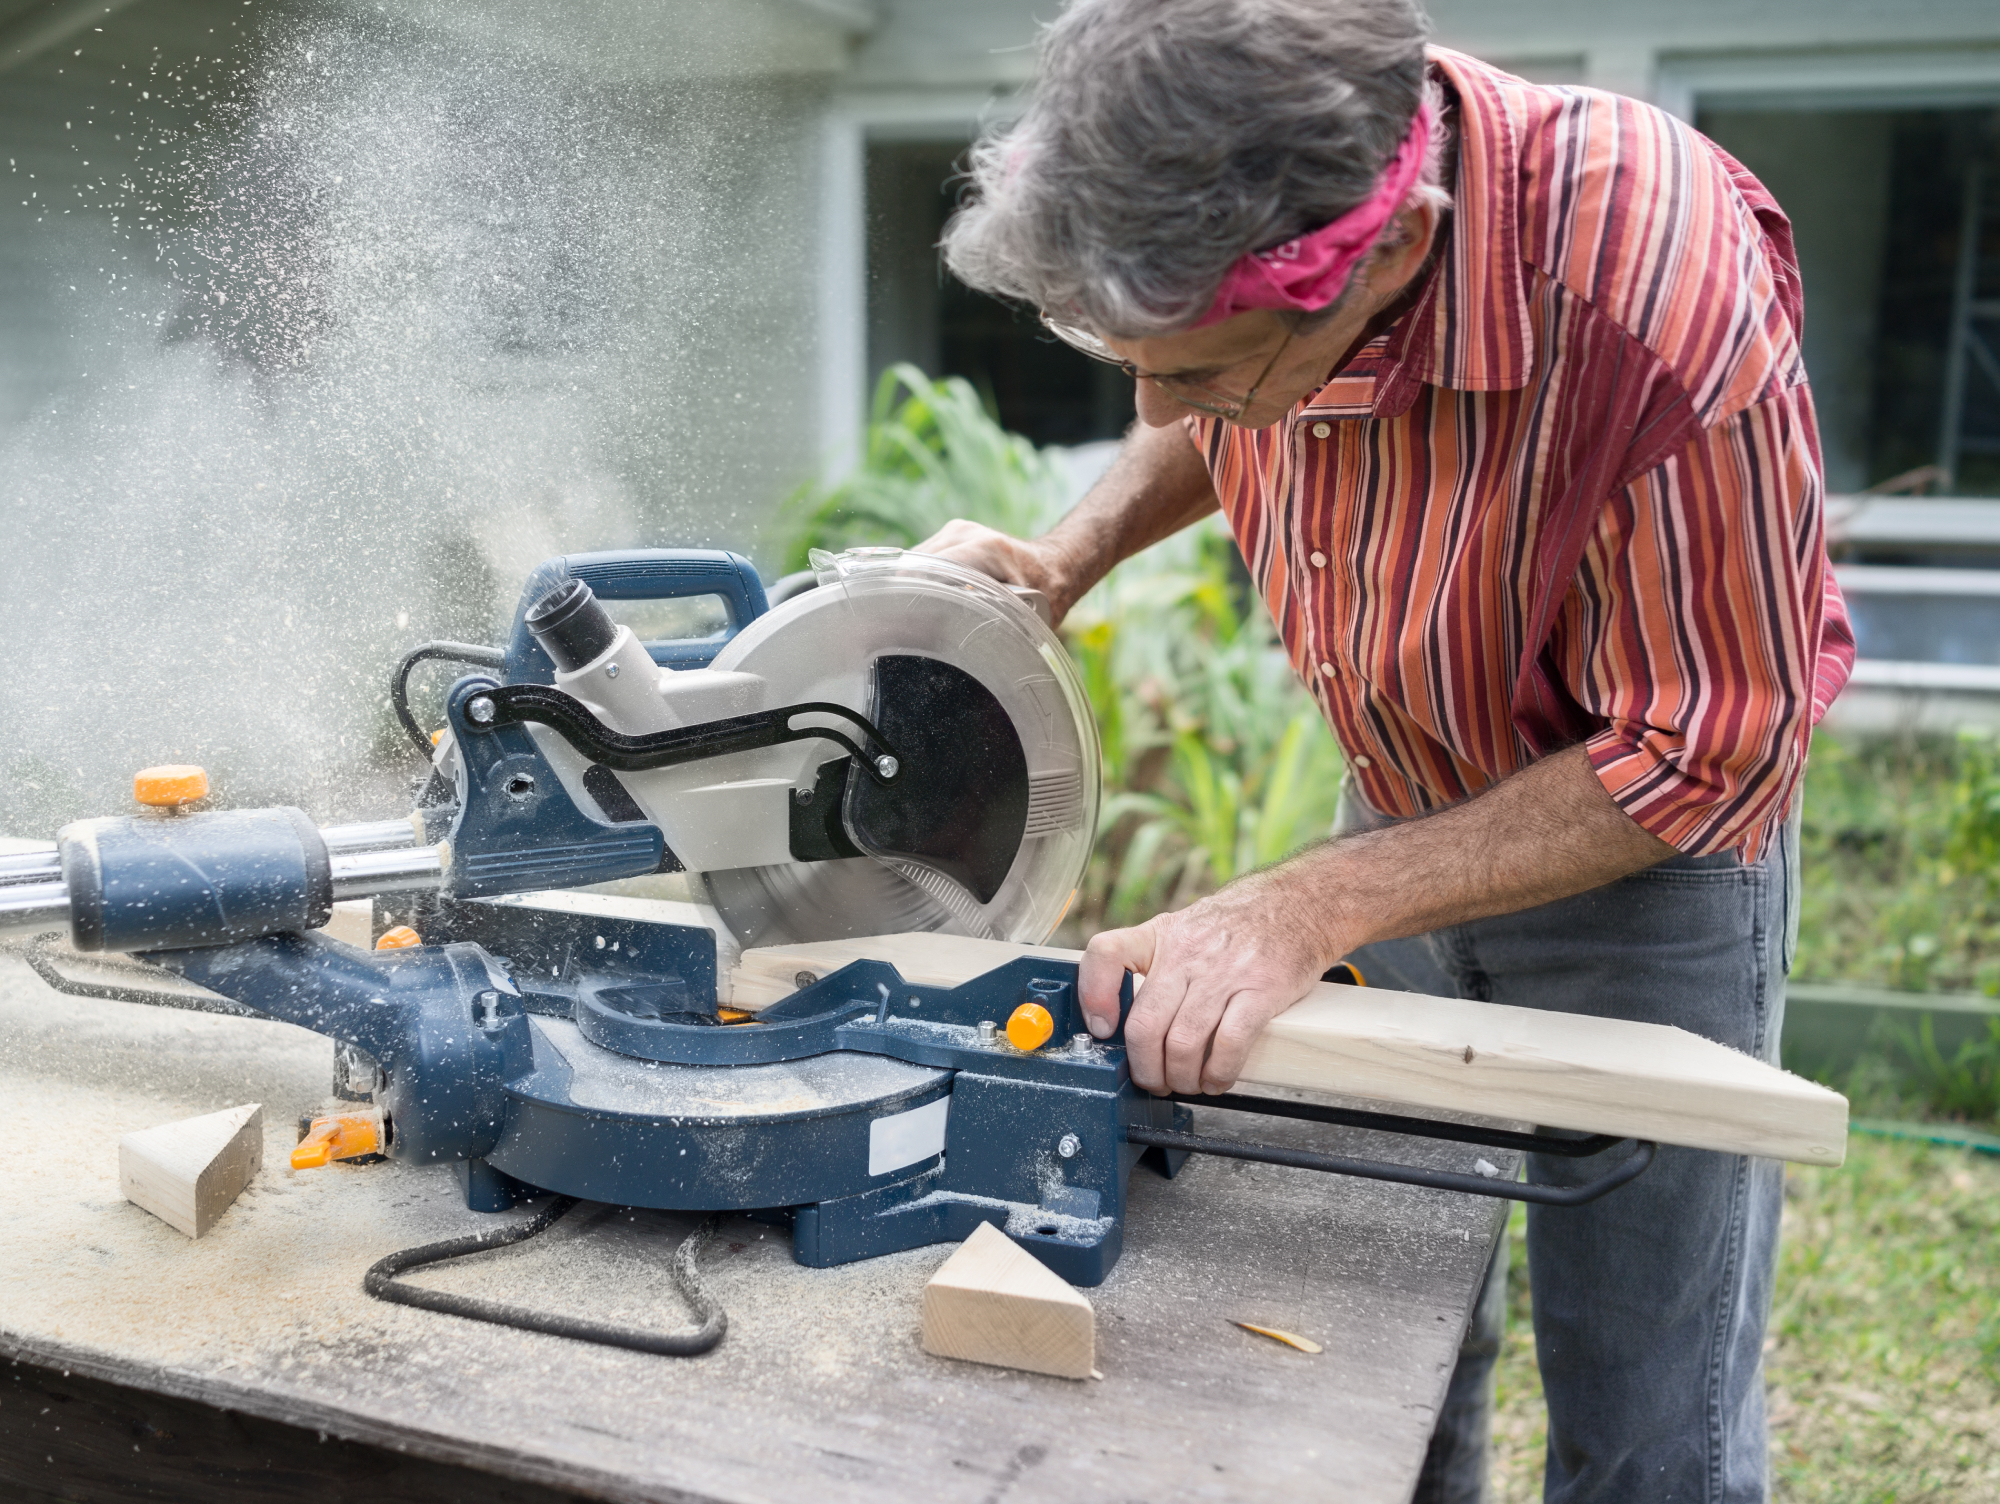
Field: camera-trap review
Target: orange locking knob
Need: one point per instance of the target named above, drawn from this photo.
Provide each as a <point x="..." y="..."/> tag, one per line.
<point x="170" y="785"/>
<point x="402" y="937"/>
<point x="1030" y="1027"/>
<point x="348" y="1136"/>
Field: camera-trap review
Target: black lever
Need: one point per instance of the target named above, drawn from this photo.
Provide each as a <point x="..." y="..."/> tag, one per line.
<point x="568" y="717"/>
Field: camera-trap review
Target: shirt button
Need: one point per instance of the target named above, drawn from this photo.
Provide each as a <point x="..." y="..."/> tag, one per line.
<point x="1326" y="670"/>
<point x="1363" y="760"/>
<point x="1322" y="430"/>
<point x="1319" y="559"/>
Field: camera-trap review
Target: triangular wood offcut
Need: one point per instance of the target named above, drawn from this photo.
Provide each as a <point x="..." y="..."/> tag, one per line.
<point x="187" y="1173"/>
<point x="994" y="1302"/>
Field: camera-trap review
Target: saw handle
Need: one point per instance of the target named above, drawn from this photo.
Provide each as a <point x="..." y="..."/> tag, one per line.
<point x="641" y="574"/>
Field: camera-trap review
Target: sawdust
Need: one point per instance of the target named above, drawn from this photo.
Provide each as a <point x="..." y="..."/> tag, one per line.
<point x="388" y="314"/>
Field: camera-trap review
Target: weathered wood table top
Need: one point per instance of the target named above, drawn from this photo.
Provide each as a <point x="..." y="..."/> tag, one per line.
<point x="820" y="1390"/>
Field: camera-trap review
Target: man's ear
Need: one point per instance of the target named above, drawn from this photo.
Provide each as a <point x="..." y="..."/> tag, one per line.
<point x="1406" y="244"/>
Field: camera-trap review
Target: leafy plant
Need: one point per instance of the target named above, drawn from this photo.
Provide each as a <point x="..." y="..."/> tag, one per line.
<point x="931" y="453"/>
<point x="1967" y="1085"/>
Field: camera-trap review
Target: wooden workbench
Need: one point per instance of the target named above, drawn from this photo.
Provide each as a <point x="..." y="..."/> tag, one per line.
<point x="820" y="1390"/>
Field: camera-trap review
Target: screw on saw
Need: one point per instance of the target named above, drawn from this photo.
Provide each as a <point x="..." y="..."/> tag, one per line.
<point x="480" y="709"/>
<point x="1069" y="1146"/>
<point x="887" y="767"/>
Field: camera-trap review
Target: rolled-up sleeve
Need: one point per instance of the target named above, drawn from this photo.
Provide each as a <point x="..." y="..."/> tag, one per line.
<point x="1697" y="626"/>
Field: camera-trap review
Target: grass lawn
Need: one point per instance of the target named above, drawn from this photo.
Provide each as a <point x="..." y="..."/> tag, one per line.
<point x="1883" y="1359"/>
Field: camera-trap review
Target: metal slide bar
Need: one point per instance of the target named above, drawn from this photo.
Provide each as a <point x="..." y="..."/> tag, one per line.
<point x="1369" y="1169"/>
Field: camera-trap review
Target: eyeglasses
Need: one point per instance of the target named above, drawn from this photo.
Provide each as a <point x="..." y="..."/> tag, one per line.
<point x="1187" y="393"/>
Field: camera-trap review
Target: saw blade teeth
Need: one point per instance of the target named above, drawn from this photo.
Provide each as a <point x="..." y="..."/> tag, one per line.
<point x="957" y="902"/>
<point x="1055" y="801"/>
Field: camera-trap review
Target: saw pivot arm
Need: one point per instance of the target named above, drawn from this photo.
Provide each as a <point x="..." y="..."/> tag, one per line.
<point x="568" y="717"/>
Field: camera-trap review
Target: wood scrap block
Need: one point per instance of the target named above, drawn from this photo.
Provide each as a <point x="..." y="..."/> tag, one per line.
<point x="187" y="1173"/>
<point x="353" y="921"/>
<point x="994" y="1302"/>
<point x="1429" y="1054"/>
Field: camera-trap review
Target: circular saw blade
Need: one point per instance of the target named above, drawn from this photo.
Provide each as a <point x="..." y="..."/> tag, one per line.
<point x="1003" y="752"/>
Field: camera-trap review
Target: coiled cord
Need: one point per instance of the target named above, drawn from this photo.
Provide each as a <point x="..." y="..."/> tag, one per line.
<point x="689" y="1342"/>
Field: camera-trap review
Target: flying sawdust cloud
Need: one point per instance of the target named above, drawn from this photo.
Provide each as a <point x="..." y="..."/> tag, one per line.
<point x="418" y="312"/>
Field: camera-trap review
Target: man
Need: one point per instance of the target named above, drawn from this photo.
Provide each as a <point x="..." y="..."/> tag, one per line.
<point x="1499" y="388"/>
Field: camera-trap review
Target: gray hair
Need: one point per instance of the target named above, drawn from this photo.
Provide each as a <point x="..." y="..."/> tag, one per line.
<point x="1167" y="138"/>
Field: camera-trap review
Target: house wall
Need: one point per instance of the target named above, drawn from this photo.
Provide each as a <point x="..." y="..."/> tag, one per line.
<point x="1798" y="89"/>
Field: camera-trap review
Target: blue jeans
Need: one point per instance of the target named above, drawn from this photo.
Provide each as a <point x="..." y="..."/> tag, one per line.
<point x="1650" y="1303"/>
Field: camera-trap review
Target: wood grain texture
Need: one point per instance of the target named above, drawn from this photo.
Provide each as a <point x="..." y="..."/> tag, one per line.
<point x="188" y="1173"/>
<point x="994" y="1302"/>
<point x="1559" y="1070"/>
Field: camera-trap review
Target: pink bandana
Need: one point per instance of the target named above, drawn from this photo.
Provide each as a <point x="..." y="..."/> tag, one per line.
<point x="1310" y="271"/>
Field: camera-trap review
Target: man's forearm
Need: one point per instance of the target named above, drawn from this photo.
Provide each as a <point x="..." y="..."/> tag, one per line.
<point x="1545" y="833"/>
<point x="1157" y="486"/>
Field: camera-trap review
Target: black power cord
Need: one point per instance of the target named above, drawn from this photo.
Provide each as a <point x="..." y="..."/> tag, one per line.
<point x="448" y="652"/>
<point x="380" y="1282"/>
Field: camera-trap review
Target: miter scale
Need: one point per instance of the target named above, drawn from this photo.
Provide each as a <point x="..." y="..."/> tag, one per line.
<point x="898" y="745"/>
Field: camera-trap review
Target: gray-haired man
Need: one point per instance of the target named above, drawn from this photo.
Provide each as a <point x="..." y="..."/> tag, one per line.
<point x="1499" y="388"/>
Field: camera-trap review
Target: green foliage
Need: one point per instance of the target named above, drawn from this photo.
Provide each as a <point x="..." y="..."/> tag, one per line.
<point x="1965" y="1085"/>
<point x="1215" y="759"/>
<point x="932" y="453"/>
<point x="1972" y="839"/>
<point x="1902" y="864"/>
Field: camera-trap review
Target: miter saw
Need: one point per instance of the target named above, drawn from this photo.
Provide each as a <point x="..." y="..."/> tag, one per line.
<point x="898" y="745"/>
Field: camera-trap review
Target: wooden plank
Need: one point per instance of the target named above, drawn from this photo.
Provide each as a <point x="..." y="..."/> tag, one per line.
<point x="1560" y="1070"/>
<point x="188" y="1173"/>
<point x="770" y="974"/>
<point x="352" y="921"/>
<point x="994" y="1302"/>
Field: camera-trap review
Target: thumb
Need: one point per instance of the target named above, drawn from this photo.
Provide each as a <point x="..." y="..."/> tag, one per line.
<point x="1110" y="954"/>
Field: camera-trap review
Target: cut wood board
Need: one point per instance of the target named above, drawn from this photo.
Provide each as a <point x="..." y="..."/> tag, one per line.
<point x="187" y="1173"/>
<point x="1559" y="1070"/>
<point x="994" y="1302"/>
<point x="352" y="921"/>
<point x="770" y="974"/>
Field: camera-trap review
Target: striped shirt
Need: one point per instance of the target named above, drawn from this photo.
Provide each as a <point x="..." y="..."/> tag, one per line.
<point x="1573" y="494"/>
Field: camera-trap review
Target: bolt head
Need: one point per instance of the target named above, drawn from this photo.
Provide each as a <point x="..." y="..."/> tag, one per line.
<point x="480" y="710"/>
<point x="1080" y="1044"/>
<point x="1069" y="1146"/>
<point x="887" y="766"/>
<point x="610" y="670"/>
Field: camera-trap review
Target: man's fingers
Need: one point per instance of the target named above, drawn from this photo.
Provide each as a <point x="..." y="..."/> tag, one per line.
<point x="1101" y="977"/>
<point x="954" y="532"/>
<point x="1192" y="1034"/>
<point x="1241" y="1023"/>
<point x="1154" y="1008"/>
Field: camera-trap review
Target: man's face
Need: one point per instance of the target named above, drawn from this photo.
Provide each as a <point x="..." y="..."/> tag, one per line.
<point x="1223" y="361"/>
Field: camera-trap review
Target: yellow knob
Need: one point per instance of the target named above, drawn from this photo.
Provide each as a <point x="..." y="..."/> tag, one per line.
<point x="402" y="937"/>
<point x="170" y="786"/>
<point x="1030" y="1027"/>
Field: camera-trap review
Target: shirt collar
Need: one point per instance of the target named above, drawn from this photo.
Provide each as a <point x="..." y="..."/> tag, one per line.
<point x="1470" y="329"/>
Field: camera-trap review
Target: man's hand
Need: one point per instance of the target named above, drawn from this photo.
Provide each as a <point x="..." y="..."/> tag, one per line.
<point x="1219" y="970"/>
<point x="1037" y="563"/>
<point x="1215" y="973"/>
<point x="1157" y="485"/>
